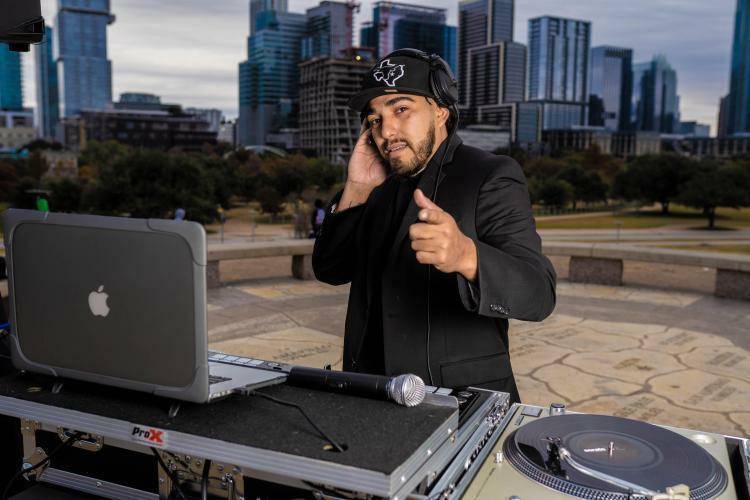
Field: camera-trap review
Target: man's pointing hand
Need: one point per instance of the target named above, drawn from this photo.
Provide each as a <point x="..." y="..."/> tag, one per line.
<point x="437" y="240"/>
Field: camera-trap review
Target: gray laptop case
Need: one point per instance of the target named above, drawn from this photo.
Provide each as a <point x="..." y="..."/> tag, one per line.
<point x="109" y="300"/>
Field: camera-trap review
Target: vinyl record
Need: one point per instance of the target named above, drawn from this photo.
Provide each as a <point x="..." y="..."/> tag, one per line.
<point x="643" y="454"/>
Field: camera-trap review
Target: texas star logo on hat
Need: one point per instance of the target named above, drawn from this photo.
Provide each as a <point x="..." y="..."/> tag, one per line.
<point x="388" y="72"/>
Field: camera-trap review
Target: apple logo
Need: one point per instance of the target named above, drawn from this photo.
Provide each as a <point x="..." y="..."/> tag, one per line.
<point x="98" y="302"/>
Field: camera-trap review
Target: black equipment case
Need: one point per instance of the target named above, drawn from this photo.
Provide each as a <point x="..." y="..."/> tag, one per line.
<point x="255" y="447"/>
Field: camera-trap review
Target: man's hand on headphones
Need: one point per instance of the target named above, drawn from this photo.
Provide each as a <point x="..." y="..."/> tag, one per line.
<point x="366" y="165"/>
<point x="437" y="240"/>
<point x="366" y="171"/>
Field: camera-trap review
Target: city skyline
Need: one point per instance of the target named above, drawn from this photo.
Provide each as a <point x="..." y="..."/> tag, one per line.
<point x="184" y="60"/>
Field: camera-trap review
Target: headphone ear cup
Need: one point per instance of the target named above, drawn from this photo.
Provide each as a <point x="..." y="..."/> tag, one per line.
<point x="444" y="84"/>
<point x="444" y="87"/>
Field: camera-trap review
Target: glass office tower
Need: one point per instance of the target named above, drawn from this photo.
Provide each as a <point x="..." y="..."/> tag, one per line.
<point x="481" y="22"/>
<point x="655" y="104"/>
<point x="269" y="79"/>
<point x="496" y="74"/>
<point x="559" y="59"/>
<point x="47" y="97"/>
<point x="329" y="30"/>
<point x="399" y="25"/>
<point x="84" y="72"/>
<point x="11" y="81"/>
<point x="559" y="70"/>
<point x="610" y="87"/>
<point x="738" y="106"/>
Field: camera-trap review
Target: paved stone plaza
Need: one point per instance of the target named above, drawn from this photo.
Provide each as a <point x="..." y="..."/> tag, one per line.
<point x="668" y="357"/>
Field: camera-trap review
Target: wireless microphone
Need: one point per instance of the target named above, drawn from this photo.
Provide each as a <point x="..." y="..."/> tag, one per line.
<point x="406" y="390"/>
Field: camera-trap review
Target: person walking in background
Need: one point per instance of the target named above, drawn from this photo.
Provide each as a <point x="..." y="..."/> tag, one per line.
<point x="318" y="215"/>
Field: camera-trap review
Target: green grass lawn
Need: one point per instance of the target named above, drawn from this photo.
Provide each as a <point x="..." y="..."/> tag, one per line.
<point x="726" y="218"/>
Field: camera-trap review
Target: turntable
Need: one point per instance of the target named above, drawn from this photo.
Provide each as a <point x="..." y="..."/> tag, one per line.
<point x="554" y="455"/>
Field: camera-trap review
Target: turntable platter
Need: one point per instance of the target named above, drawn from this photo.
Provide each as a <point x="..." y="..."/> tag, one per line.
<point x="634" y="452"/>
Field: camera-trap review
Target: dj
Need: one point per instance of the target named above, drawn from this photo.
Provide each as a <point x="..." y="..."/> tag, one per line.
<point x="434" y="276"/>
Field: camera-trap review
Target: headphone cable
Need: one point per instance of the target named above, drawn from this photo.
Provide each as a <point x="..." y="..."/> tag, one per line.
<point x="429" y="268"/>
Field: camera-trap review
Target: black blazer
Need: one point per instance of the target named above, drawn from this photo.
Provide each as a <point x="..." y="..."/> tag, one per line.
<point x="468" y="339"/>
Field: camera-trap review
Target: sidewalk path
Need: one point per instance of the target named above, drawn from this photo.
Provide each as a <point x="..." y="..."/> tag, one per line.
<point x="666" y="357"/>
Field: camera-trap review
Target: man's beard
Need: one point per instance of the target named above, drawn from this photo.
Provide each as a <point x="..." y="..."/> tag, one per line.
<point x="419" y="159"/>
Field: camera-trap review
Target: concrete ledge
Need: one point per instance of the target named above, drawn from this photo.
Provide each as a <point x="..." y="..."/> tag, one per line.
<point x="602" y="263"/>
<point x="302" y="267"/>
<point x="732" y="284"/>
<point x="595" y="270"/>
<point x="213" y="278"/>
<point x="663" y="255"/>
<point x="300" y="251"/>
<point x="230" y="251"/>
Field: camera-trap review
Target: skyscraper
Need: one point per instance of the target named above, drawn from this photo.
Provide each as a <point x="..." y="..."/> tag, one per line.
<point x="559" y="59"/>
<point x="610" y="87"/>
<point x="481" y="22"/>
<point x="47" y="97"/>
<point x="655" y="105"/>
<point x="400" y="25"/>
<point x="722" y="124"/>
<point x="84" y="72"/>
<point x="329" y="30"/>
<point x="257" y="6"/>
<point x="559" y="69"/>
<point x="327" y="125"/>
<point x="738" y="119"/>
<point x="495" y="74"/>
<point x="11" y="86"/>
<point x="269" y="78"/>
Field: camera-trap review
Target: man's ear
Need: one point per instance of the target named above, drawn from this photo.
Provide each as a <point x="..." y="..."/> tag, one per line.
<point x="444" y="114"/>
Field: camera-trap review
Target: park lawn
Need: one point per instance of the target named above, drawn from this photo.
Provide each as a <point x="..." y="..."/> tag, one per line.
<point x="679" y="216"/>
<point x="741" y="249"/>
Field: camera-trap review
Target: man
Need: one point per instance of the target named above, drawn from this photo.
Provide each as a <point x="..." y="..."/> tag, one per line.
<point x="433" y="284"/>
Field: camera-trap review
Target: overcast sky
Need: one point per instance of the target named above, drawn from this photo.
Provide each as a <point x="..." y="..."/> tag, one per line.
<point x="187" y="51"/>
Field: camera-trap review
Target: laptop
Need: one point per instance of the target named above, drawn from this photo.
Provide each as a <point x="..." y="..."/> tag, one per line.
<point x="118" y="301"/>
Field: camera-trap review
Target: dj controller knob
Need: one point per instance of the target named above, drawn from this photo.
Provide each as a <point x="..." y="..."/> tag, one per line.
<point x="556" y="409"/>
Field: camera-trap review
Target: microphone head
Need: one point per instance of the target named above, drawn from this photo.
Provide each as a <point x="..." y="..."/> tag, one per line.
<point x="406" y="390"/>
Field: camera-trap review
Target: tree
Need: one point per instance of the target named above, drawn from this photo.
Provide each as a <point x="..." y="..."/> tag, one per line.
<point x="223" y="175"/>
<point x="593" y="160"/>
<point x="247" y="170"/>
<point x="322" y="174"/>
<point x="554" y="193"/>
<point x="35" y="166"/>
<point x="21" y="198"/>
<point x="41" y="144"/>
<point x="287" y="175"/>
<point x="594" y="188"/>
<point x="543" y="167"/>
<point x="714" y="185"/>
<point x="270" y="200"/>
<point x="98" y="155"/>
<point x="65" y="195"/>
<point x="149" y="183"/>
<point x="586" y="186"/>
<point x="8" y="181"/>
<point x="654" y="178"/>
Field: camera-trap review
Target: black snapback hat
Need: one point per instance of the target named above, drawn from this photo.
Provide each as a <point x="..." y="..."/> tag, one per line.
<point x="394" y="75"/>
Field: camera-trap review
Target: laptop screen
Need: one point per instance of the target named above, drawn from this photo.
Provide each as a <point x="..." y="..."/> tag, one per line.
<point x="110" y="302"/>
